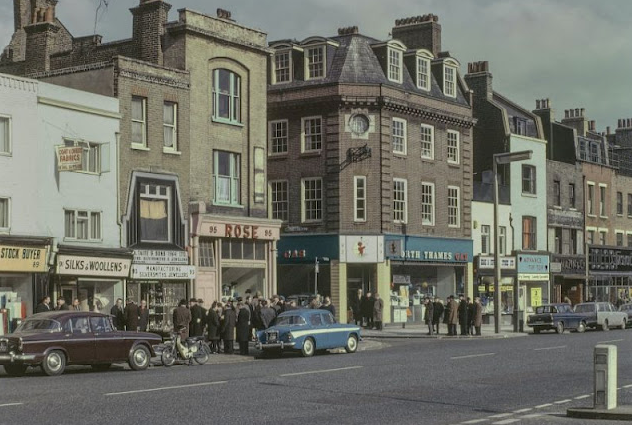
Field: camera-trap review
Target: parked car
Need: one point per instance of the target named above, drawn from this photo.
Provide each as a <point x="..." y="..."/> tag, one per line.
<point x="601" y="315"/>
<point x="627" y="308"/>
<point x="307" y="331"/>
<point x="558" y="317"/>
<point x="53" y="340"/>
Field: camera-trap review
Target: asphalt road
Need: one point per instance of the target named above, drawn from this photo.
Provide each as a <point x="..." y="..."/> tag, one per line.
<point x="528" y="380"/>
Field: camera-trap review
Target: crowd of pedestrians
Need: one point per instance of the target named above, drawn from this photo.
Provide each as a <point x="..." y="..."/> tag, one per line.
<point x="367" y="310"/>
<point x="465" y="314"/>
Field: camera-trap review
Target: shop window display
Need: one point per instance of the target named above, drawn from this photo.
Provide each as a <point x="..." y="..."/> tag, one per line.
<point x="162" y="298"/>
<point x="16" y="294"/>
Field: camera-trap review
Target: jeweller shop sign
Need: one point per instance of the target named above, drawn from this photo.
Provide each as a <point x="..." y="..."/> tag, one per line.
<point x="162" y="271"/>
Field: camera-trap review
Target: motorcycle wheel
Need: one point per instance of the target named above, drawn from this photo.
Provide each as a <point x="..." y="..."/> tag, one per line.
<point x="168" y="356"/>
<point x="201" y="356"/>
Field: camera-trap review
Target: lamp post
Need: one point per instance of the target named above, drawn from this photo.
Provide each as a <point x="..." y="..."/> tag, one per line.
<point x="501" y="158"/>
<point x="316" y="263"/>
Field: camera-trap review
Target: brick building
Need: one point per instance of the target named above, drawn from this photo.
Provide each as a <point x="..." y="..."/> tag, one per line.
<point x="192" y="142"/>
<point x="369" y="166"/>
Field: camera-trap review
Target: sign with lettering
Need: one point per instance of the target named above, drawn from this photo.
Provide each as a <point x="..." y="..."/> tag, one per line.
<point x="159" y="256"/>
<point x="239" y="231"/>
<point x="609" y="260"/>
<point x="506" y="263"/>
<point x="93" y="266"/>
<point x="571" y="264"/>
<point x="428" y="249"/>
<point x="361" y="249"/>
<point x="573" y="219"/>
<point x="532" y="267"/>
<point x="69" y="158"/>
<point x="162" y="271"/>
<point x="23" y="259"/>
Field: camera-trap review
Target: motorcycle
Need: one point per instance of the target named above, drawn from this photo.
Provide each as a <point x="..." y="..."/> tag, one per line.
<point x="192" y="349"/>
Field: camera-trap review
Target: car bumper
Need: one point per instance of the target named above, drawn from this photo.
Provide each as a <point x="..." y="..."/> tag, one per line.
<point x="541" y="325"/>
<point x="282" y="345"/>
<point x="16" y="358"/>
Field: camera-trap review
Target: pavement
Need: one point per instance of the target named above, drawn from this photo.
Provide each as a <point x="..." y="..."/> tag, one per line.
<point x="417" y="330"/>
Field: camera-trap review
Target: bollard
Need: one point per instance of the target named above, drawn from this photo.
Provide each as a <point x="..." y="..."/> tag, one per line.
<point x="605" y="361"/>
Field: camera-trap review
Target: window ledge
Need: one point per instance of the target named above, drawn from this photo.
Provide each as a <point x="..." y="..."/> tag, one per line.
<point x="603" y="216"/>
<point x="529" y="195"/>
<point x="400" y="154"/>
<point x="139" y="147"/>
<point x="90" y="241"/>
<point x="573" y="209"/>
<point x="591" y="215"/>
<point x="308" y="154"/>
<point x="557" y="207"/>
<point x="171" y="151"/>
<point x="225" y="121"/>
<point x="452" y="226"/>
<point x="427" y="158"/>
<point x="281" y="155"/>
<point x="453" y="164"/>
<point x="219" y="204"/>
<point x="359" y="221"/>
<point x="7" y="154"/>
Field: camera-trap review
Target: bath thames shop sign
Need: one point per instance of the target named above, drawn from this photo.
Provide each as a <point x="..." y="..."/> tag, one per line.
<point x="93" y="266"/>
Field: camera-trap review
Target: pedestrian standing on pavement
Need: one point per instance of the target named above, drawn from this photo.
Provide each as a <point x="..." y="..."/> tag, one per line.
<point x="367" y="310"/>
<point x="61" y="304"/>
<point x="327" y="305"/>
<point x="356" y="306"/>
<point x="200" y="303"/>
<point x="454" y="315"/>
<point x="478" y="315"/>
<point x="267" y="314"/>
<point x="463" y="320"/>
<point x="143" y="316"/>
<point x="470" y="316"/>
<point x="446" y="315"/>
<point x="196" y="327"/>
<point x="75" y="305"/>
<point x="429" y="314"/>
<point x="43" y="306"/>
<point x="437" y="314"/>
<point x="119" y="315"/>
<point x="228" y="329"/>
<point x="131" y="316"/>
<point x="212" y="326"/>
<point x="181" y="319"/>
<point x="378" y="307"/>
<point x="243" y="327"/>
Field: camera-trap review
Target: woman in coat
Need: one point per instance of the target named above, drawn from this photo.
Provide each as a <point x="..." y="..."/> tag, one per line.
<point x="212" y="323"/>
<point x="378" y="308"/>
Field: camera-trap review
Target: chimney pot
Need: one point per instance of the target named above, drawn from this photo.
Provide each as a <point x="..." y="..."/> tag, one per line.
<point x="537" y="104"/>
<point x="608" y="129"/>
<point x="565" y="113"/>
<point x="581" y="112"/>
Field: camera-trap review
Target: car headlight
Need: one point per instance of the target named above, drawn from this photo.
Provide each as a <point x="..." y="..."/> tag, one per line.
<point x="289" y="337"/>
<point x="20" y="344"/>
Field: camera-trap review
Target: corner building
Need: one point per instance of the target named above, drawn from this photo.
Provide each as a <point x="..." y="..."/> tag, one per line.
<point x="369" y="167"/>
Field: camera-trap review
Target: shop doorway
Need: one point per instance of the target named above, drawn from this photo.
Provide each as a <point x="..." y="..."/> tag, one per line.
<point x="68" y="292"/>
<point x="237" y="280"/>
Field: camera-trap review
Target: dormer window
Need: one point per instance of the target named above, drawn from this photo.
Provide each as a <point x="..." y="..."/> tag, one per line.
<point x="282" y="67"/>
<point x="394" y="65"/>
<point x="423" y="73"/>
<point x="449" y="80"/>
<point x="315" y="62"/>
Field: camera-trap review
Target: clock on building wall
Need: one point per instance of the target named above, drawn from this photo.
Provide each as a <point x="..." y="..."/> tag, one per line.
<point x="359" y="124"/>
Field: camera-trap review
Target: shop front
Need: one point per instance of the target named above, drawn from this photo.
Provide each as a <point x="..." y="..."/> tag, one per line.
<point x="424" y="266"/>
<point x="235" y="256"/>
<point x="23" y="278"/>
<point x="484" y="286"/>
<point x="568" y="274"/>
<point x="95" y="276"/>
<point x="161" y="278"/>
<point x="533" y="282"/>
<point x="609" y="274"/>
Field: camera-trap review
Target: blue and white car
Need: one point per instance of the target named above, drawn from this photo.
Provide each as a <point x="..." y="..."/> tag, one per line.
<point x="307" y="331"/>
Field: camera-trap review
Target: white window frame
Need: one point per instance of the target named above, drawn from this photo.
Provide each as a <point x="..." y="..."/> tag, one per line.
<point x="305" y="200"/>
<point x="304" y="134"/>
<point x="604" y="233"/>
<point x="616" y="236"/>
<point x="142" y="122"/>
<point x="234" y="96"/>
<point x="428" y="190"/>
<point x="533" y="178"/>
<point x="449" y="86"/>
<point x="147" y="194"/>
<point x="403" y="136"/>
<point x="322" y="63"/>
<point x="590" y="199"/>
<point x="603" y="206"/>
<point x="395" y="64"/>
<point x="88" y="218"/>
<point x="274" y="199"/>
<point x="430" y="143"/>
<point x="502" y="240"/>
<point x="275" y="64"/>
<point x="359" y="182"/>
<point x="7" y="217"/>
<point x="486" y="236"/>
<point x="454" y="211"/>
<point x="171" y="128"/>
<point x="403" y="212"/>
<point x="454" y="151"/>
<point x="423" y="79"/>
<point x="8" y="135"/>
<point x="234" y="179"/>
<point x="89" y="150"/>
<point x="273" y="136"/>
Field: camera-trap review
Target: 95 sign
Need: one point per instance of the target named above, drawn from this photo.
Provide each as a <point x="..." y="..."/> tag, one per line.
<point x="241" y="231"/>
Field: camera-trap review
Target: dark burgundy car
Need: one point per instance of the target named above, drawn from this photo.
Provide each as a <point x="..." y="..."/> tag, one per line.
<point x="53" y="340"/>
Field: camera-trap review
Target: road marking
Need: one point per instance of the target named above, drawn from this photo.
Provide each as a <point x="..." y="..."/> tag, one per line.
<point x="175" y="387"/>
<point x="473" y="355"/>
<point x="501" y="415"/>
<point x="550" y="348"/>
<point x="11" y="404"/>
<point x="532" y="415"/>
<point x="581" y="397"/>
<point x="612" y="340"/>
<point x="475" y="421"/>
<point x="321" y="371"/>
<point x="627" y="386"/>
<point x="523" y="410"/>
<point x="544" y="405"/>
<point x="506" y="421"/>
<point x="568" y="400"/>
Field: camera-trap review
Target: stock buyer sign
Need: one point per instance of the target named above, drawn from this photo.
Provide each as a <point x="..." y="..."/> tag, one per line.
<point x="93" y="266"/>
<point x="69" y="158"/>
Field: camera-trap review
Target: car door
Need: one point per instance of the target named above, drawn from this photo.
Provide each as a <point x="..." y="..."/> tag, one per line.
<point x="337" y="336"/>
<point x="319" y="331"/>
<point x="79" y="340"/>
<point x="110" y="345"/>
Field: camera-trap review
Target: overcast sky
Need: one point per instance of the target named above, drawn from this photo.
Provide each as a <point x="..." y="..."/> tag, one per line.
<point x="575" y="52"/>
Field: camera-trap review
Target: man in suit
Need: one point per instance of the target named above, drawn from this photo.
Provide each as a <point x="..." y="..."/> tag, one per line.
<point x="131" y="316"/>
<point x="453" y="318"/>
<point x="228" y="328"/>
<point x="119" y="315"/>
<point x="143" y="316"/>
<point x="75" y="305"/>
<point x="356" y="306"/>
<point x="243" y="327"/>
<point x="463" y="316"/>
<point x="181" y="319"/>
<point x="43" y="306"/>
<point x="197" y="319"/>
<point x="61" y="304"/>
<point x="212" y="327"/>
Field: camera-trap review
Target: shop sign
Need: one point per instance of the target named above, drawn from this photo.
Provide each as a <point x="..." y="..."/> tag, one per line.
<point x="303" y="249"/>
<point x="568" y="264"/>
<point x="503" y="288"/>
<point x="69" y="158"/>
<point x="23" y="259"/>
<point x="297" y="253"/>
<point x="158" y="256"/>
<point x="162" y="271"/>
<point x="399" y="279"/>
<point x="429" y="249"/>
<point x="565" y="218"/>
<point x="240" y="231"/>
<point x="609" y="259"/>
<point x="533" y="267"/>
<point x="295" y="229"/>
<point x="361" y="249"/>
<point x="93" y="266"/>
<point x="556" y="267"/>
<point x="506" y="263"/>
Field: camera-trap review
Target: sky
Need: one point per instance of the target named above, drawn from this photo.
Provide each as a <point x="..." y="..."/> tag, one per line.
<point x="574" y="52"/>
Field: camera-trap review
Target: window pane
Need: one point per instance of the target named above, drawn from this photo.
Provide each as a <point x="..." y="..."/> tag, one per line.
<point x="427" y="141"/>
<point x="95" y="225"/>
<point x="4" y="135"/>
<point x="4" y="213"/>
<point x="137" y="132"/>
<point x="137" y="109"/>
<point x="69" y="219"/>
<point x="82" y="225"/>
<point x="154" y="220"/>
<point x="427" y="204"/>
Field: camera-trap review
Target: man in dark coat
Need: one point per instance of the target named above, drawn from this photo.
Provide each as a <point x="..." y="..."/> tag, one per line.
<point x="200" y="303"/>
<point x="453" y="319"/>
<point x="267" y="315"/>
<point x="437" y="314"/>
<point x="327" y="305"/>
<point x="181" y="319"/>
<point x="463" y="316"/>
<point x="212" y="327"/>
<point x="197" y="320"/>
<point x="368" y="303"/>
<point x="143" y="316"/>
<point x="429" y="315"/>
<point x="446" y="315"/>
<point x="470" y="316"/>
<point x="228" y="329"/>
<point x="356" y="306"/>
<point x="43" y="306"/>
<point x="61" y="304"/>
<point x="119" y="315"/>
<point x="131" y="315"/>
<point x="243" y="328"/>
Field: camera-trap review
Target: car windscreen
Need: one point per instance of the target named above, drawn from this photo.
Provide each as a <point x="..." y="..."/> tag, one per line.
<point x="39" y="324"/>
<point x="289" y="320"/>
<point x="584" y="308"/>
<point x="542" y="309"/>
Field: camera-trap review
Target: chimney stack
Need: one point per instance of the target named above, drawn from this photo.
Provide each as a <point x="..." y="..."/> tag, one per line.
<point x="149" y="19"/>
<point x="348" y="30"/>
<point x="419" y="32"/>
<point x="479" y="79"/>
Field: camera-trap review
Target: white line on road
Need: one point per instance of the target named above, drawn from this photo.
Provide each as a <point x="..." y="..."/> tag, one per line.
<point x="523" y="410"/>
<point x="581" y="397"/>
<point x="568" y="400"/>
<point x="550" y="348"/>
<point x="473" y="355"/>
<point x="612" y="340"/>
<point x="544" y="405"/>
<point x="627" y="386"/>
<point x="506" y="421"/>
<point x="500" y="415"/>
<point x="532" y="415"/>
<point x="321" y="371"/>
<point x="175" y="387"/>
<point x="11" y="404"/>
<point x="475" y="421"/>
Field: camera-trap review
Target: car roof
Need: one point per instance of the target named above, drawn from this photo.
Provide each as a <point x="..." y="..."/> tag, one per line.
<point x="62" y="314"/>
<point x="304" y="312"/>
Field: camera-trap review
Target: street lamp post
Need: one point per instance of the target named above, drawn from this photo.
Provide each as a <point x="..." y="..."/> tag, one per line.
<point x="501" y="158"/>
<point x="316" y="263"/>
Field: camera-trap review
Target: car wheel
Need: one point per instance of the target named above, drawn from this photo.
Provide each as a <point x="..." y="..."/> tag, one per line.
<point x="605" y="327"/>
<point x="139" y="358"/>
<point x="101" y="367"/>
<point x="559" y="328"/>
<point x="54" y="363"/>
<point x="581" y="328"/>
<point x="352" y="344"/>
<point x="15" y="369"/>
<point x="308" y="348"/>
<point x="168" y="356"/>
<point x="536" y="330"/>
